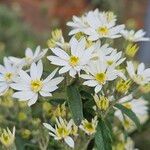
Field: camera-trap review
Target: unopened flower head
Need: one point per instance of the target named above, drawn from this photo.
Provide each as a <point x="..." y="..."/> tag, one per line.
<point x="102" y="102"/>
<point x="29" y="87"/>
<point x="56" y="38"/>
<point x="73" y="62"/>
<point x="60" y="110"/>
<point x="7" y="137"/>
<point x="61" y="131"/>
<point x="135" y="36"/>
<point x="141" y="76"/>
<point x="131" y="50"/>
<point x="89" y="127"/>
<point x="122" y="86"/>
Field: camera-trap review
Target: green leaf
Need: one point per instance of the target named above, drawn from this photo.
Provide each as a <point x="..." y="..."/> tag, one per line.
<point x="130" y="114"/>
<point x="103" y="136"/>
<point x="75" y="103"/>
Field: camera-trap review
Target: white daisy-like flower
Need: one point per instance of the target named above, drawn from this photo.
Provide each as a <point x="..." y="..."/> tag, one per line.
<point x="82" y="24"/>
<point x="61" y="131"/>
<point x="98" y="73"/>
<point x="101" y="50"/>
<point x="135" y="36"/>
<point x="29" y="87"/>
<point x="138" y="106"/>
<point x="75" y="61"/>
<point x="30" y="57"/>
<point x="101" y="28"/>
<point x="141" y="76"/>
<point x="8" y="73"/>
<point x="89" y="127"/>
<point x="78" y="24"/>
<point x="114" y="59"/>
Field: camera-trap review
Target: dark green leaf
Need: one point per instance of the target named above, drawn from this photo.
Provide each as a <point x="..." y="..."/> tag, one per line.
<point x="75" y="103"/>
<point x="129" y="113"/>
<point x="103" y="136"/>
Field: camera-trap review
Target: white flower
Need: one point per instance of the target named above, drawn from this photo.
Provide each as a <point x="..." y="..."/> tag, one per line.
<point x="141" y="76"/>
<point x="101" y="50"/>
<point x="89" y="127"/>
<point x="101" y="28"/>
<point x="62" y="130"/>
<point x="29" y="58"/>
<point x="88" y="21"/>
<point x="135" y="36"/>
<point x="73" y="62"/>
<point x="29" y="87"/>
<point x="98" y="73"/>
<point x="138" y="106"/>
<point x="79" y="24"/>
<point x="8" y="73"/>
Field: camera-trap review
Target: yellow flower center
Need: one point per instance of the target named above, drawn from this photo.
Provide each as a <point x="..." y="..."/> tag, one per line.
<point x="101" y="77"/>
<point x="126" y="123"/>
<point x="36" y="85"/>
<point x="127" y="105"/>
<point x="88" y="126"/>
<point x="6" y="139"/>
<point x="110" y="62"/>
<point x="62" y="132"/>
<point x="8" y="76"/>
<point x="103" y="30"/>
<point x="74" y="61"/>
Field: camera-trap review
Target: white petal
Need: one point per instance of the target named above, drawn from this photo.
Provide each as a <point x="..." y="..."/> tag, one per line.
<point x="24" y="76"/>
<point x="48" y="126"/>
<point x="24" y="95"/>
<point x="50" y="76"/>
<point x="91" y="83"/>
<point x="45" y="94"/>
<point x="98" y="88"/>
<point x="19" y="86"/>
<point x="28" y="53"/>
<point x="33" y="100"/>
<point x="33" y="71"/>
<point x="64" y="69"/>
<point x="69" y="141"/>
<point x="39" y="69"/>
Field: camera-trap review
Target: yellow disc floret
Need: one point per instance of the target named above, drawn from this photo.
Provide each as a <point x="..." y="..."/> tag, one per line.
<point x="36" y="85"/>
<point x="73" y="61"/>
<point x="103" y="30"/>
<point x="8" y="76"/>
<point x="101" y="77"/>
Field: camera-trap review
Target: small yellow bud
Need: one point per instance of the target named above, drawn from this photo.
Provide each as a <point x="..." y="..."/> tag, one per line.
<point x="56" y="34"/>
<point x="60" y="111"/>
<point x="36" y="122"/>
<point x="7" y="137"/>
<point x="25" y="133"/>
<point x="47" y="107"/>
<point x="131" y="50"/>
<point x="145" y="88"/>
<point x="89" y="43"/>
<point x="102" y="102"/>
<point x="51" y="43"/>
<point x="22" y="116"/>
<point x="123" y="86"/>
<point x="74" y="130"/>
<point x="79" y="35"/>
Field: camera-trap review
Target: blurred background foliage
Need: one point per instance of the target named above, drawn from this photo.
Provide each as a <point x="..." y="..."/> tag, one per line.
<point x="28" y="23"/>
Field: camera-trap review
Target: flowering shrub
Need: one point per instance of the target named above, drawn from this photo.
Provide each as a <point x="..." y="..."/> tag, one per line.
<point x="93" y="99"/>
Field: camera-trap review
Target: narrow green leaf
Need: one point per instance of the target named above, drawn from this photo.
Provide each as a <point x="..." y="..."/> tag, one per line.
<point x="103" y="136"/>
<point x="130" y="114"/>
<point x="75" y="103"/>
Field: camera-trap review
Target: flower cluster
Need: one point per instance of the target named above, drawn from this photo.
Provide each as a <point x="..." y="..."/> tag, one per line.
<point x="100" y="82"/>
